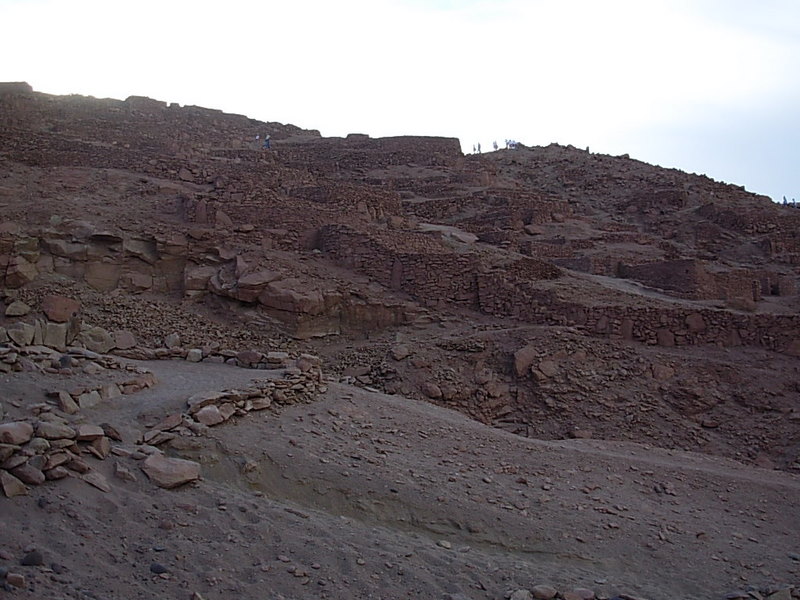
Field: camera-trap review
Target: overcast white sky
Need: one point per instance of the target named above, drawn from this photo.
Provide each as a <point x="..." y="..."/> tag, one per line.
<point x="707" y="86"/>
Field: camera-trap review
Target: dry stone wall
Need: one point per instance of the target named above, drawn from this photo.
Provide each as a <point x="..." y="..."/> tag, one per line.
<point x="662" y="325"/>
<point x="361" y="154"/>
<point x="414" y="263"/>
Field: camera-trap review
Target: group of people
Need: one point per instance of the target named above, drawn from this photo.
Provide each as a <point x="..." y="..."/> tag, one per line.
<point x="510" y="145"/>
<point x="265" y="143"/>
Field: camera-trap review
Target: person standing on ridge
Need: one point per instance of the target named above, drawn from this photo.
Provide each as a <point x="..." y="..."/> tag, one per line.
<point x="266" y="142"/>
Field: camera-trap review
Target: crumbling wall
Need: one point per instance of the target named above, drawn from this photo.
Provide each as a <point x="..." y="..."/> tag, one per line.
<point x="415" y="263"/>
<point x="687" y="277"/>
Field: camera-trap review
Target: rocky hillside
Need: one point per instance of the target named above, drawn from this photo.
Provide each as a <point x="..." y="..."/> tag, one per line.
<point x="270" y="329"/>
<point x="548" y="291"/>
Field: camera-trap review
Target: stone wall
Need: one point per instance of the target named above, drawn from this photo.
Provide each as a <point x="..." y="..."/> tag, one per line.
<point x="415" y="263"/>
<point x="357" y="153"/>
<point x="688" y="277"/>
<point x="667" y="325"/>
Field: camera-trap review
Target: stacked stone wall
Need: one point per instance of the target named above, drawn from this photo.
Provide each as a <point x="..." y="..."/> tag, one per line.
<point x="665" y="326"/>
<point x="688" y="278"/>
<point x="417" y="264"/>
<point x="358" y="154"/>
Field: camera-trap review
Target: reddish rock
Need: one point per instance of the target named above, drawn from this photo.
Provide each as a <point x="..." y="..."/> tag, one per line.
<point x="662" y="372"/>
<point x="293" y="295"/>
<point x="19" y="272"/>
<point x="695" y="323"/>
<point x="123" y="339"/>
<point x="201" y="399"/>
<point x="544" y="592"/>
<point x="170" y="472"/>
<point x="17" y="309"/>
<point x="16" y="580"/>
<point x="56" y="473"/>
<point x="11" y="485"/>
<point x="227" y="410"/>
<point x="87" y="433"/>
<point x="17" y="432"/>
<point x="29" y="474"/>
<point x="209" y="415"/>
<point x="249" y="358"/>
<point x="170" y="422"/>
<point x="100" y="447"/>
<point x="54" y="431"/>
<point x="523" y="359"/>
<point x="431" y="390"/>
<point x="249" y="286"/>
<point x="664" y="337"/>
<point x="67" y="403"/>
<point x="60" y="308"/>
<point x="97" y="480"/>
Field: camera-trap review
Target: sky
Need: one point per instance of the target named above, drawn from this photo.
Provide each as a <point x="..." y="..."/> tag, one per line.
<point x="706" y="86"/>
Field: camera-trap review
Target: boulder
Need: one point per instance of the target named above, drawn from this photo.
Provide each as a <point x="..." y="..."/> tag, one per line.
<point x="11" y="485"/>
<point x="222" y="221"/>
<point x="292" y="295"/>
<point x="60" y="308"/>
<point x="249" y="358"/>
<point x="97" y="480"/>
<point x="544" y="592"/>
<point x="87" y="433"/>
<point x="209" y="415"/>
<point x="196" y="279"/>
<point x="29" y="474"/>
<point x="75" y="251"/>
<point x="17" y="309"/>
<point x="170" y="472"/>
<point x="21" y="333"/>
<point x="20" y="272"/>
<point x="201" y="399"/>
<point x="66" y="403"/>
<point x="55" y="335"/>
<point x="249" y="287"/>
<point x="123" y="339"/>
<point x="664" y="337"/>
<point x="96" y="339"/>
<point x="662" y="372"/>
<point x="431" y="390"/>
<point x="523" y="359"/>
<point x="145" y="250"/>
<point x="401" y="351"/>
<point x="16" y="432"/>
<point x="695" y="322"/>
<point x="54" y="431"/>
<point x="89" y="399"/>
<point x="110" y="391"/>
<point x="102" y="276"/>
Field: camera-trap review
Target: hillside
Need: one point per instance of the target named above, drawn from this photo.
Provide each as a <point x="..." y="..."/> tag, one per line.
<point x="622" y="339"/>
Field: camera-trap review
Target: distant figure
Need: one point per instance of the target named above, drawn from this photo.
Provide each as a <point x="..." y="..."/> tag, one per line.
<point x="266" y="142"/>
<point x="785" y="201"/>
<point x="473" y="148"/>
<point x="479" y="147"/>
<point x="494" y="144"/>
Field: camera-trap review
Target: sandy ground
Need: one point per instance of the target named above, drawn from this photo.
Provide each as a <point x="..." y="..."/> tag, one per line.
<point x="365" y="495"/>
